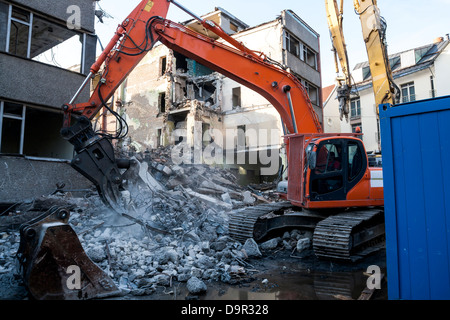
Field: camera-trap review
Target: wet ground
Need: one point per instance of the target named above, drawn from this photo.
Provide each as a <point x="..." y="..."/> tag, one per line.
<point x="281" y="276"/>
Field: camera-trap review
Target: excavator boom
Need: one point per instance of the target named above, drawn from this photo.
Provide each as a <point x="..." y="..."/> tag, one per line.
<point x="334" y="19"/>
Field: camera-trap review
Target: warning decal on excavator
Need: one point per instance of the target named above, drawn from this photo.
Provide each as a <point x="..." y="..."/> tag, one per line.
<point x="149" y="6"/>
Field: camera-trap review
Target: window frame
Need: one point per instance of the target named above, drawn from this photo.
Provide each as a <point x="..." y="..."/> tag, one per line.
<point x="28" y="24"/>
<point x="409" y="97"/>
<point x="4" y="115"/>
<point x="355" y="104"/>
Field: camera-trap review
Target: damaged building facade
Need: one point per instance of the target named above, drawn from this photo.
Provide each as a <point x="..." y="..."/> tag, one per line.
<point x="40" y="41"/>
<point x="170" y="99"/>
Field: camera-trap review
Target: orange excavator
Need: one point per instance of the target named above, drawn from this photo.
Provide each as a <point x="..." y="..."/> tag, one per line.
<point x="339" y="202"/>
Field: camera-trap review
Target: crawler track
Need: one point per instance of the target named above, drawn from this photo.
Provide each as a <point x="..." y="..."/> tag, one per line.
<point x="344" y="236"/>
<point x="349" y="236"/>
<point x="242" y="221"/>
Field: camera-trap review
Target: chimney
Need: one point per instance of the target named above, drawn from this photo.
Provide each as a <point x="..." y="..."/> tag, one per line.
<point x="447" y="37"/>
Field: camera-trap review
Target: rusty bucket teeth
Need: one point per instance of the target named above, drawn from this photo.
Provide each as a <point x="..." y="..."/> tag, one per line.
<point x="54" y="265"/>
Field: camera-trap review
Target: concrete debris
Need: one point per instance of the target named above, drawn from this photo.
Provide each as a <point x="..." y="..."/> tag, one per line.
<point x="251" y="248"/>
<point x="195" y="285"/>
<point x="270" y="244"/>
<point x="171" y="232"/>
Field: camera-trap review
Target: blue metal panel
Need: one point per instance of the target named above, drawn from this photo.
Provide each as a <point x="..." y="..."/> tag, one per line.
<point x="415" y="141"/>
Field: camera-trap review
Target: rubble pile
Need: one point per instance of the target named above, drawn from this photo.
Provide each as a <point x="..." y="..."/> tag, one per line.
<point x="174" y="229"/>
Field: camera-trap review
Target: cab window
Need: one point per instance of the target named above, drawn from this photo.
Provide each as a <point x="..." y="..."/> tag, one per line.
<point x="355" y="160"/>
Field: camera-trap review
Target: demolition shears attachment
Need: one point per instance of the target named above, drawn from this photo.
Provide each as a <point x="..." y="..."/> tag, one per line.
<point x="96" y="161"/>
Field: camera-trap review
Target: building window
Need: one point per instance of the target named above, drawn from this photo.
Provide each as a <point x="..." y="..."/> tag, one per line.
<point x="236" y="93"/>
<point x="300" y="50"/>
<point x="163" y="66"/>
<point x="162" y="102"/>
<point x="433" y="90"/>
<point x="355" y="108"/>
<point x="241" y="140"/>
<point x="408" y="92"/>
<point x="366" y="73"/>
<point x="309" y="56"/>
<point x="292" y="44"/>
<point x="32" y="37"/>
<point x="313" y="92"/>
<point x="159" y="138"/>
<point x="19" y="32"/>
<point x="12" y="125"/>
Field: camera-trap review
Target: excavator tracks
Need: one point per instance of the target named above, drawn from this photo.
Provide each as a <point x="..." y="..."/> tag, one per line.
<point x="350" y="235"/>
<point x="241" y="224"/>
<point x="344" y="236"/>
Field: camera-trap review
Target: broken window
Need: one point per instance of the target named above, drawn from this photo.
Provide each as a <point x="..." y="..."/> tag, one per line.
<point x="309" y="56"/>
<point x="300" y="50"/>
<point x="241" y="140"/>
<point x="206" y="134"/>
<point x="12" y="117"/>
<point x="236" y="96"/>
<point x="163" y="66"/>
<point x="313" y="92"/>
<point x="180" y="62"/>
<point x="32" y="37"/>
<point x="292" y="44"/>
<point x="20" y="22"/>
<point x="205" y="91"/>
<point x="32" y="132"/>
<point x="162" y="102"/>
<point x="158" y="138"/>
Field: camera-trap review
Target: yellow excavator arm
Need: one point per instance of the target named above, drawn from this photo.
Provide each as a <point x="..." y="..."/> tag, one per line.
<point x="334" y="18"/>
<point x="374" y="34"/>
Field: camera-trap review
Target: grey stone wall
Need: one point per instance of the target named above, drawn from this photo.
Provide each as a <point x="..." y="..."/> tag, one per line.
<point x="25" y="179"/>
<point x="37" y="83"/>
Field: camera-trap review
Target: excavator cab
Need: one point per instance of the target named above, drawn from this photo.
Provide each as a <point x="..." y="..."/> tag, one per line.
<point x="339" y="167"/>
<point x="330" y="171"/>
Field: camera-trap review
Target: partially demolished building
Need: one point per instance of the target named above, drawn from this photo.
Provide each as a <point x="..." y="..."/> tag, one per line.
<point x="169" y="99"/>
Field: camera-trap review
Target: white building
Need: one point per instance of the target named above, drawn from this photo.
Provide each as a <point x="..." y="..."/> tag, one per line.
<point x="420" y="73"/>
<point x="167" y="91"/>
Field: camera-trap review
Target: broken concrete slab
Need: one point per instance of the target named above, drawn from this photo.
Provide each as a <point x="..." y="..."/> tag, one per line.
<point x="251" y="248"/>
<point x="195" y="285"/>
<point x="209" y="200"/>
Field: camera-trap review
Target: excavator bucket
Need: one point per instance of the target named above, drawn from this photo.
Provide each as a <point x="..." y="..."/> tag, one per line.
<point x="53" y="263"/>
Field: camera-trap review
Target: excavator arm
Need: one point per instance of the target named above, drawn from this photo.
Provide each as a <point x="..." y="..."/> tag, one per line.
<point x="374" y="35"/>
<point x="334" y="19"/>
<point x="133" y="39"/>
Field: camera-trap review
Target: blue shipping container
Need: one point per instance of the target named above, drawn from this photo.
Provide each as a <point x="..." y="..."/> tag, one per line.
<point x="415" y="139"/>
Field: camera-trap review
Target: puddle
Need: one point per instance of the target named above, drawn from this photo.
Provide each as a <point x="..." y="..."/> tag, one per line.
<point x="297" y="280"/>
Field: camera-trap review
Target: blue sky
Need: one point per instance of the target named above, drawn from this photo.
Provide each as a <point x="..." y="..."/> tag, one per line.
<point x="411" y="23"/>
